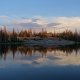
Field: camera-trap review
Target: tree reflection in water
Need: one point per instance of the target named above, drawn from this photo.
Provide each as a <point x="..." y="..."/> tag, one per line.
<point x="29" y="50"/>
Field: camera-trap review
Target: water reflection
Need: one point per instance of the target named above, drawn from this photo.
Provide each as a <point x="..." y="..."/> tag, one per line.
<point x="19" y="62"/>
<point x="28" y="50"/>
<point x="41" y="55"/>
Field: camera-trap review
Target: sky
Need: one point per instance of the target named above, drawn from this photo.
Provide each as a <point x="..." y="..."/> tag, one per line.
<point x="40" y="13"/>
<point x="30" y="8"/>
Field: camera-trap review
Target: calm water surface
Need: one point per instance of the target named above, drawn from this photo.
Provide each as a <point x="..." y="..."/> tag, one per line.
<point x="39" y="63"/>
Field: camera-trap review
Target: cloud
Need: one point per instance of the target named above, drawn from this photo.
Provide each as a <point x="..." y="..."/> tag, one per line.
<point x="69" y="22"/>
<point x="73" y="21"/>
<point x="3" y="17"/>
<point x="48" y="23"/>
<point x="36" y="23"/>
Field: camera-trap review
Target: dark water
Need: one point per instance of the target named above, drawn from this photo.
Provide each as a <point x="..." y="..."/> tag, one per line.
<point x="39" y="63"/>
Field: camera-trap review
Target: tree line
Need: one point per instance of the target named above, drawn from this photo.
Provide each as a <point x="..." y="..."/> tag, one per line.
<point x="14" y="36"/>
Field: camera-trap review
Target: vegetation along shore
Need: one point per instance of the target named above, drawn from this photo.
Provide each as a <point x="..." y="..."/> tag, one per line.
<point x="43" y="37"/>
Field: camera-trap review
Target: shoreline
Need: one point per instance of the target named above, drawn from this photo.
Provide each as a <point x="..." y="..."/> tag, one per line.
<point x="49" y="42"/>
<point x="42" y="42"/>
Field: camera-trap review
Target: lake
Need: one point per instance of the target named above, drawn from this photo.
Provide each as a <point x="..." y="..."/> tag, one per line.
<point x="20" y="62"/>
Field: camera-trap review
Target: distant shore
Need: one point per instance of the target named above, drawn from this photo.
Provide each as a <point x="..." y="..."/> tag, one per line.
<point x="42" y="38"/>
<point x="42" y="42"/>
<point x="48" y="42"/>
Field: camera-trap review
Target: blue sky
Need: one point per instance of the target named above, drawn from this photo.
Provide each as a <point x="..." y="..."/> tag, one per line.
<point x="49" y="14"/>
<point x="30" y="8"/>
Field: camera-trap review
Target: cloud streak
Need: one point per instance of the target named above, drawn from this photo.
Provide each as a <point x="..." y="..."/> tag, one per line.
<point x="3" y="17"/>
<point x="49" y="24"/>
